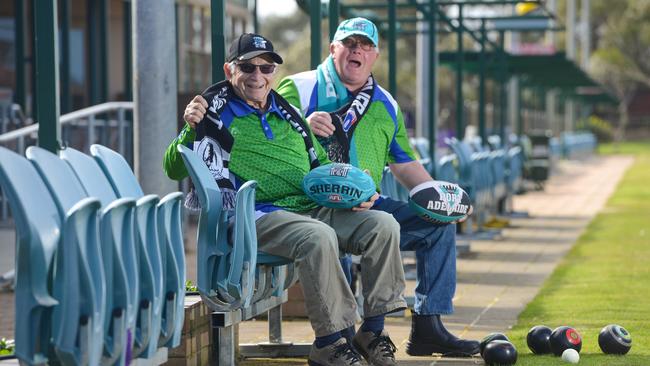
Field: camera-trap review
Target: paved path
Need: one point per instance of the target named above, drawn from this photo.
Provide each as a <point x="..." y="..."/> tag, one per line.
<point x="500" y="276"/>
<point x="496" y="280"/>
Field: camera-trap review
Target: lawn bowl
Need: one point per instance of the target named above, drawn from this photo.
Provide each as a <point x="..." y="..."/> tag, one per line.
<point x="615" y="340"/>
<point x="539" y="339"/>
<point x="565" y="337"/>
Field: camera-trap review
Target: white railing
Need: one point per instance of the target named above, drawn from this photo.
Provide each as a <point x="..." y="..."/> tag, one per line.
<point x="105" y="123"/>
<point x="87" y="116"/>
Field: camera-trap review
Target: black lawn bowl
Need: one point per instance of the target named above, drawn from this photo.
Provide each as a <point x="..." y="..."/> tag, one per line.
<point x="500" y="353"/>
<point x="491" y="337"/>
<point x="614" y="339"/>
<point x="539" y="339"/>
<point x="563" y="338"/>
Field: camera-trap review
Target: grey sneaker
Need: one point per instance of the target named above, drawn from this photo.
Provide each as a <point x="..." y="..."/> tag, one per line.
<point x="377" y="350"/>
<point x="338" y="353"/>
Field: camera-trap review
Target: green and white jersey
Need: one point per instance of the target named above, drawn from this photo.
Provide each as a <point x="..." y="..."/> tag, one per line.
<point x="266" y="148"/>
<point x="380" y="137"/>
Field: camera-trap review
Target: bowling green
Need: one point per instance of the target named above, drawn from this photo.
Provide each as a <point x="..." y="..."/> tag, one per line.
<point x="605" y="278"/>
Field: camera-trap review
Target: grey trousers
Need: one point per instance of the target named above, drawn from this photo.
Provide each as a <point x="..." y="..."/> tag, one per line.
<point x="313" y="240"/>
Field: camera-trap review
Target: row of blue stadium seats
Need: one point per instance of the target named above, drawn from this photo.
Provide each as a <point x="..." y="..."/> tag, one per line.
<point x="577" y="144"/>
<point x="486" y="175"/>
<point x="542" y="151"/>
<point x="490" y="172"/>
<point x="100" y="267"/>
<point x="569" y="145"/>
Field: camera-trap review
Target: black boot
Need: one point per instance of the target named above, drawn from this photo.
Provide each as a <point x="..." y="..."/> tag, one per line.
<point x="429" y="335"/>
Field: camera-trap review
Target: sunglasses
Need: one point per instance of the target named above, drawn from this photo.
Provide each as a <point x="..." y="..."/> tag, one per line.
<point x="249" y="68"/>
<point x="362" y="42"/>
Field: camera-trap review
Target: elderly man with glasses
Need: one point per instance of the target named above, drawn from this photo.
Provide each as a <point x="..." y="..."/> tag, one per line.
<point x="244" y="131"/>
<point x="359" y="122"/>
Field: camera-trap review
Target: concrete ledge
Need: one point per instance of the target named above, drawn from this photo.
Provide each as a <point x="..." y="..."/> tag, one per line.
<point x="194" y="349"/>
<point x="158" y="359"/>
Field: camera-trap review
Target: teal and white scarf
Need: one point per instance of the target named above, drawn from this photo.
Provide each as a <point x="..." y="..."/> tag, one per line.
<point x="333" y="98"/>
<point x="332" y="94"/>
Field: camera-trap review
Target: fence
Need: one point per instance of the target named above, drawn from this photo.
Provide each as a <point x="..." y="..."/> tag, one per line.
<point x="109" y="124"/>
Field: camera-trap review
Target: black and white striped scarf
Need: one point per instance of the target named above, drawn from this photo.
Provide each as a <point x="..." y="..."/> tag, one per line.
<point x="213" y="143"/>
<point x="345" y="121"/>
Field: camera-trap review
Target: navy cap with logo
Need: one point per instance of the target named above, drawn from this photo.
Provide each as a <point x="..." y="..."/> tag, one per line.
<point x="250" y="45"/>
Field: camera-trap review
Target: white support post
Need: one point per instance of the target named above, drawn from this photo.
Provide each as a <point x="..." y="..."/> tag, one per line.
<point x="154" y="91"/>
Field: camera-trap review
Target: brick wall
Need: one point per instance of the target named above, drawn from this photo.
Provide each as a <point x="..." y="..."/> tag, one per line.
<point x="194" y="349"/>
<point x="295" y="306"/>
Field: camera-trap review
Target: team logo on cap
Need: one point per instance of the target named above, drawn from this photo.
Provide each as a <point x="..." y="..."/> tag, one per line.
<point x="259" y="42"/>
<point x="359" y="25"/>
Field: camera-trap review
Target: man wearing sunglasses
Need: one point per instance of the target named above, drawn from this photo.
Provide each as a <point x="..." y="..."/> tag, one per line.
<point x="245" y="131"/>
<point x="359" y="122"/>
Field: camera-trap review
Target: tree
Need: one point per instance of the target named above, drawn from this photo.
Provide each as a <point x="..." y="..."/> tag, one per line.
<point x="609" y="67"/>
<point x="627" y="39"/>
<point x="622" y="58"/>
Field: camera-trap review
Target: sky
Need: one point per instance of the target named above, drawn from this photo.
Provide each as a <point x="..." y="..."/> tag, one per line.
<point x="275" y="7"/>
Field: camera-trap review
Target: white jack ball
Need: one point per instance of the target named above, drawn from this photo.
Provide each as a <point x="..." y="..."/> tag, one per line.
<point x="570" y="355"/>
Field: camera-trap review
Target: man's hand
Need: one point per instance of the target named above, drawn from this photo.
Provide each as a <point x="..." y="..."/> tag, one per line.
<point x="195" y="111"/>
<point x="469" y="212"/>
<point x="366" y="205"/>
<point x="321" y="124"/>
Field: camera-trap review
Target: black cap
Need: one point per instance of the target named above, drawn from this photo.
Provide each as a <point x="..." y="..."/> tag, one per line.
<point x="250" y="45"/>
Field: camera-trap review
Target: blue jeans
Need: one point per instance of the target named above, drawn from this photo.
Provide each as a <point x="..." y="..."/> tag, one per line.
<point x="435" y="255"/>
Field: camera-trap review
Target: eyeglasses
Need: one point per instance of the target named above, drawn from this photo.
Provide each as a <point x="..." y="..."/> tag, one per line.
<point x="249" y="68"/>
<point x="362" y="42"/>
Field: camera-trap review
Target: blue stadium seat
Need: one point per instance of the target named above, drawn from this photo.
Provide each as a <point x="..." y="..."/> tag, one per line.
<point x="169" y="287"/>
<point x="446" y="171"/>
<point x="475" y="176"/>
<point x="169" y="230"/>
<point x="116" y="233"/>
<point x="136" y="260"/>
<point x="231" y="276"/>
<point x="214" y="253"/>
<point x="421" y="146"/>
<point x="577" y="144"/>
<point x="467" y="172"/>
<point x="390" y="187"/>
<point x="241" y="278"/>
<point x="515" y="169"/>
<point x="52" y="249"/>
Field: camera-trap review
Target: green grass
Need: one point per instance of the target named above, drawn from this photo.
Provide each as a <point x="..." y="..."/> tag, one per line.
<point x="605" y="278"/>
<point x="630" y="148"/>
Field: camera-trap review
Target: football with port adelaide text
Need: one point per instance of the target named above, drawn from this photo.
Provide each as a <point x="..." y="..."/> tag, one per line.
<point x="338" y="185"/>
<point x="440" y="202"/>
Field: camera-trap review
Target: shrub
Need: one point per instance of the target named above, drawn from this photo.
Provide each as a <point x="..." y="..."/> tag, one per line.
<point x="190" y="287"/>
<point x="6" y="347"/>
<point x="602" y="129"/>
